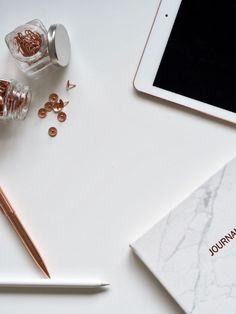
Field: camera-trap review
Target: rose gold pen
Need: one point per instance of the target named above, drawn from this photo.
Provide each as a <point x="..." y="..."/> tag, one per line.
<point x="9" y="212"/>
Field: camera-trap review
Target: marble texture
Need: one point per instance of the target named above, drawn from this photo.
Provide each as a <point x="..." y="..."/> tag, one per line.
<point x="176" y="249"/>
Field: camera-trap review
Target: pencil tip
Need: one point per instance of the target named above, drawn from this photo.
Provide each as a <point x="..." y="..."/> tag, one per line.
<point x="105" y="284"/>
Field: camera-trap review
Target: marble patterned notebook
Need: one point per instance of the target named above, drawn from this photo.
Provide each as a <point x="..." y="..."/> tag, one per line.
<point x="192" y="251"/>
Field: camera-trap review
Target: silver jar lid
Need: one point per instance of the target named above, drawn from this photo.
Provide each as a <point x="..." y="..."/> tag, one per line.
<point x="59" y="45"/>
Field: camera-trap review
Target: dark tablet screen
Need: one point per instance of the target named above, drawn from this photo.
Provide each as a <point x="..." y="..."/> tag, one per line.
<point x="200" y="57"/>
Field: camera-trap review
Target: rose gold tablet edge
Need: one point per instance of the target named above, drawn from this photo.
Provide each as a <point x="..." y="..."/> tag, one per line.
<point x="146" y="44"/>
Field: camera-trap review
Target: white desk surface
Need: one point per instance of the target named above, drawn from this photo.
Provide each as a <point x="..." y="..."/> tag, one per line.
<point x="119" y="163"/>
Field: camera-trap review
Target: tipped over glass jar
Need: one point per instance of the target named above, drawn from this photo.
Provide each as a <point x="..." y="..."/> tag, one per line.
<point x="15" y="99"/>
<point x="34" y="48"/>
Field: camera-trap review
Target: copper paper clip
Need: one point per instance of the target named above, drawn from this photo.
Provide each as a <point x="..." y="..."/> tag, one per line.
<point x="9" y="212"/>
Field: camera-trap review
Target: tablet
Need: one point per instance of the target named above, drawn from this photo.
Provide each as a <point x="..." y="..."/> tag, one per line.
<point x="190" y="56"/>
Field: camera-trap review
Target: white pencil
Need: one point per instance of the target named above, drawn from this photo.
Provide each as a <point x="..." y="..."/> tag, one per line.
<point x="51" y="283"/>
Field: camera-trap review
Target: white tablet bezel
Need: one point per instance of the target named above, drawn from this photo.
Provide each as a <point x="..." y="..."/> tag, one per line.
<point x="151" y="59"/>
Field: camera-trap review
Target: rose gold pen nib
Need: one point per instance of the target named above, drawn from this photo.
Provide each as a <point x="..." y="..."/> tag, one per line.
<point x="44" y="269"/>
<point x="9" y="212"/>
<point x="39" y="261"/>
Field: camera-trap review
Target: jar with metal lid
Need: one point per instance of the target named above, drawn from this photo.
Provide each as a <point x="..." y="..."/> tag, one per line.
<point x="15" y="99"/>
<point x="34" y="48"/>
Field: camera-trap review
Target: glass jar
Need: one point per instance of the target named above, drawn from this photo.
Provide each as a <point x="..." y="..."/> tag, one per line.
<point x="34" y="48"/>
<point x="15" y="99"/>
